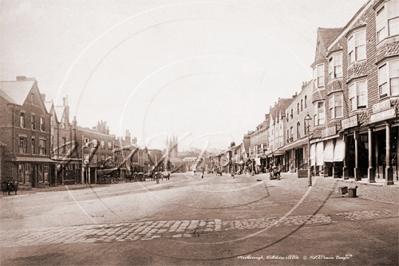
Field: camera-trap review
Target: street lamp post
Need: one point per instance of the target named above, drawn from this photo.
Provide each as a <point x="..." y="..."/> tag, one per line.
<point x="308" y="119"/>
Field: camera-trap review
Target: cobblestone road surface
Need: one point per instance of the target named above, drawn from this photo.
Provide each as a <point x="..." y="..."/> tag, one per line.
<point x="168" y="229"/>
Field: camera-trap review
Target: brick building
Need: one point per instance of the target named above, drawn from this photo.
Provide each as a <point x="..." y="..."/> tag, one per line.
<point x="296" y="137"/>
<point x="25" y="133"/>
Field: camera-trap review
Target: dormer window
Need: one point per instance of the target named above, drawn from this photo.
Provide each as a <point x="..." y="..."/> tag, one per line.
<point x="357" y="46"/>
<point x="318" y="76"/>
<point x="335" y="66"/>
<point x="387" y="20"/>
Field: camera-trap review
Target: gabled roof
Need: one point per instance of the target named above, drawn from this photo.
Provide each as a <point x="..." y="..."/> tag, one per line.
<point x="325" y="36"/>
<point x="16" y="92"/>
<point x="48" y="106"/>
<point x="59" y="110"/>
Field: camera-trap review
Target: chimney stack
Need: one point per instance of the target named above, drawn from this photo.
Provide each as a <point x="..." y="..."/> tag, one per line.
<point x="43" y="97"/>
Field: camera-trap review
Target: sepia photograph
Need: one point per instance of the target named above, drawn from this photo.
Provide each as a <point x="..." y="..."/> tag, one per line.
<point x="199" y="132"/>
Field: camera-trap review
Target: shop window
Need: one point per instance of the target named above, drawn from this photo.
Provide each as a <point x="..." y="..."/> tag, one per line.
<point x="335" y="66"/>
<point x="319" y="114"/>
<point x="358" y="95"/>
<point x="388" y="78"/>
<point x="357" y="46"/>
<point x="318" y="76"/>
<point x="27" y="173"/>
<point x="45" y="173"/>
<point x="335" y="106"/>
<point x="40" y="173"/>
<point x="387" y="20"/>
<point x="22" y="145"/>
<point x="33" y="122"/>
<point x="21" y="173"/>
<point x="22" y="119"/>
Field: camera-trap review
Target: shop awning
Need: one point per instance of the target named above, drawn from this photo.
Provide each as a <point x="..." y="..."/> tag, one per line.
<point x="320" y="153"/>
<point x="296" y="144"/>
<point x="329" y="151"/>
<point x="313" y="154"/>
<point x="339" y="150"/>
<point x="276" y="153"/>
<point x="33" y="160"/>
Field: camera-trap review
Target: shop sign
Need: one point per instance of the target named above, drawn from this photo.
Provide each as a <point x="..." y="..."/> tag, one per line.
<point x="329" y="131"/>
<point x="383" y="115"/>
<point x="349" y="122"/>
<point x="381" y="106"/>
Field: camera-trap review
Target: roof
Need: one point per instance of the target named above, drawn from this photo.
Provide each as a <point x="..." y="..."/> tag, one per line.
<point x="16" y="92"/>
<point x="33" y="159"/>
<point x="48" y="106"/>
<point x="59" y="111"/>
<point x="327" y="35"/>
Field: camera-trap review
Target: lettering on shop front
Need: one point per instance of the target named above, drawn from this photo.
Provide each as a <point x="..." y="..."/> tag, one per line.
<point x="349" y="122"/>
<point x="383" y="115"/>
<point x="381" y="106"/>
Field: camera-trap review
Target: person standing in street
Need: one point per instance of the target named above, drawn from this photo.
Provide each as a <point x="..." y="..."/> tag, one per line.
<point x="202" y="174"/>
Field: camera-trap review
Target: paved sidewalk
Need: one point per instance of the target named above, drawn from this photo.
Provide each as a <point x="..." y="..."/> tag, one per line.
<point x="171" y="229"/>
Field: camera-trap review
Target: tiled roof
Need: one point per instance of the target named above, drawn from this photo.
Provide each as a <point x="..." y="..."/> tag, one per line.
<point x="357" y="69"/>
<point x="16" y="92"/>
<point x="390" y="49"/>
<point x="327" y="35"/>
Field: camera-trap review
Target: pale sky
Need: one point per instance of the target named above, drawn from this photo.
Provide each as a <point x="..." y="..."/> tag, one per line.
<point x="208" y="70"/>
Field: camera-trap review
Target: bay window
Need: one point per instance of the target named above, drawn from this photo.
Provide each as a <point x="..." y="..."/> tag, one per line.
<point x="358" y="95"/>
<point x="319" y="113"/>
<point x="318" y="76"/>
<point x="335" y="66"/>
<point x="357" y="46"/>
<point x="335" y="106"/>
<point x="388" y="20"/>
<point x="388" y="78"/>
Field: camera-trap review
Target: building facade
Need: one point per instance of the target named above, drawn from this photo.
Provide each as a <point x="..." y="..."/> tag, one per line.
<point x="25" y="127"/>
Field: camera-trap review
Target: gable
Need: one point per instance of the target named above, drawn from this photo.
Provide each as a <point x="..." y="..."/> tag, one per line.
<point x="37" y="98"/>
<point x="16" y="92"/>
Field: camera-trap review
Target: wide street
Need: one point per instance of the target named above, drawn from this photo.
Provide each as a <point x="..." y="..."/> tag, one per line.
<point x="192" y="221"/>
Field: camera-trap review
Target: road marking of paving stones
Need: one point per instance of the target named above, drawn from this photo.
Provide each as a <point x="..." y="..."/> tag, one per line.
<point x="166" y="229"/>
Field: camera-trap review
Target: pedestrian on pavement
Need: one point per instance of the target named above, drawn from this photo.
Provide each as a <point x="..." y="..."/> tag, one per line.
<point x="232" y="174"/>
<point x="202" y="174"/>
